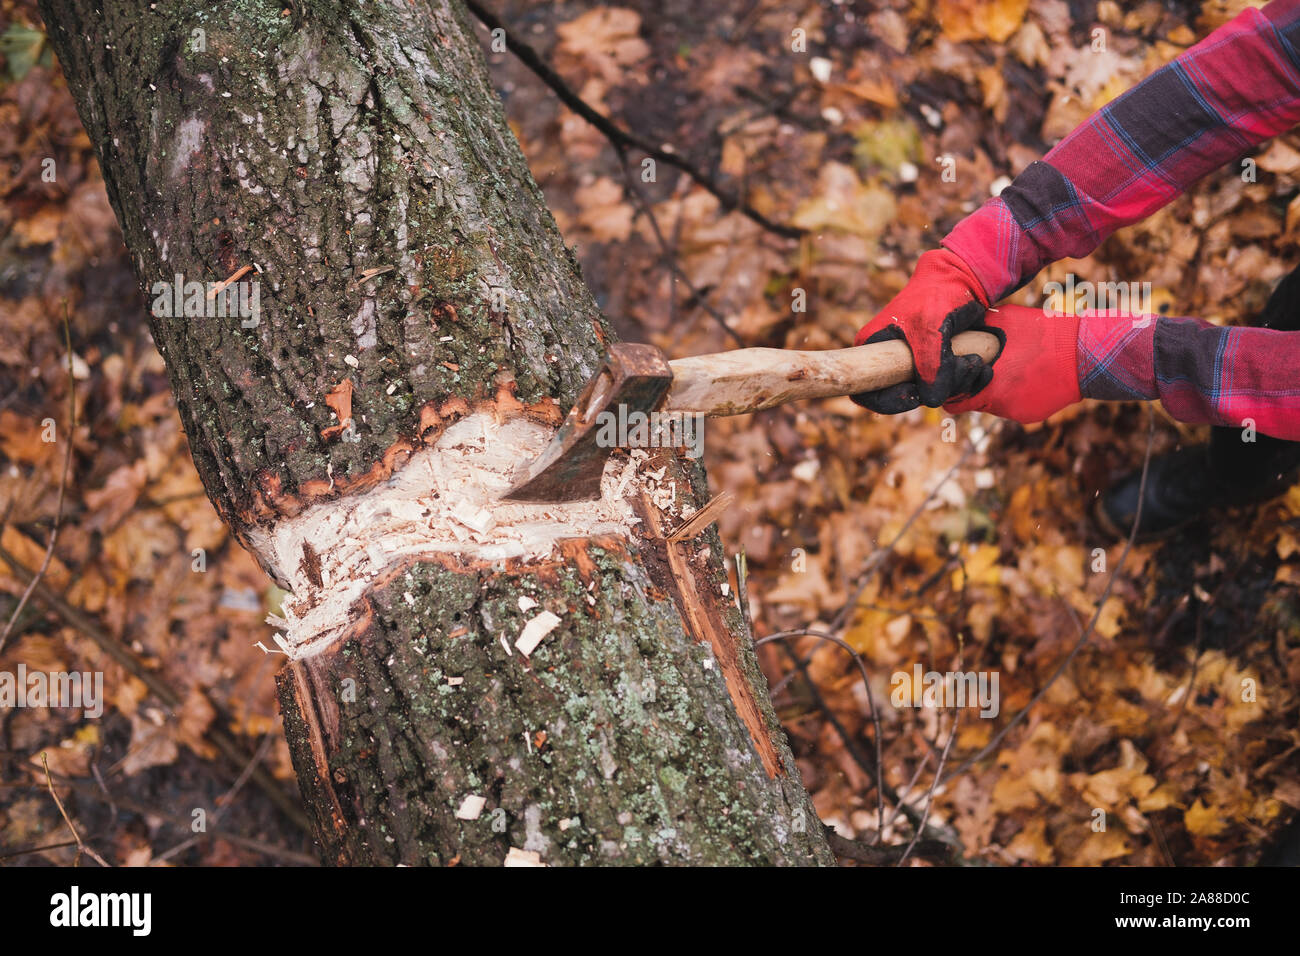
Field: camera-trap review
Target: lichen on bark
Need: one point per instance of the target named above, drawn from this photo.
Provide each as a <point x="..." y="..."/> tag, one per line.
<point x="580" y="759"/>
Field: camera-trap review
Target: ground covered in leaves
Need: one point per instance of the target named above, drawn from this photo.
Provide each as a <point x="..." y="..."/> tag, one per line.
<point x="958" y="546"/>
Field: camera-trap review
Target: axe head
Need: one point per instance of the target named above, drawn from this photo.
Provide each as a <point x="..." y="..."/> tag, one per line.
<point x="634" y="377"/>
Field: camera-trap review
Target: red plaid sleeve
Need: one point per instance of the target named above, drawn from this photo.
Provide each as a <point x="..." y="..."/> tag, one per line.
<point x="1203" y="373"/>
<point x="1233" y="90"/>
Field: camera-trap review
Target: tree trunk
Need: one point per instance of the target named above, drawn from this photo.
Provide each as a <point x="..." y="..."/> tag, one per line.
<point x="421" y="328"/>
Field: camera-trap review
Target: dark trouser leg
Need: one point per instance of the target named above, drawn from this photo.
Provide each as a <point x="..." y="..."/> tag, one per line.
<point x="1184" y="485"/>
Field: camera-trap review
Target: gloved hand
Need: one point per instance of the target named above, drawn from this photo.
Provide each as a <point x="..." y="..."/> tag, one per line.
<point x="942" y="298"/>
<point x="1037" y="372"/>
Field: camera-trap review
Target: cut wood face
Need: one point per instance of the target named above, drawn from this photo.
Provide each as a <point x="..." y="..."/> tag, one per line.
<point x="445" y="500"/>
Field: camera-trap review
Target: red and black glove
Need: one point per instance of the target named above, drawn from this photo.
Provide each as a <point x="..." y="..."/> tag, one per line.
<point x="942" y="298"/>
<point x="1037" y="372"/>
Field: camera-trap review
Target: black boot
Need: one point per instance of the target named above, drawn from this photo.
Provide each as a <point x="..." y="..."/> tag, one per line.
<point x="1190" y="483"/>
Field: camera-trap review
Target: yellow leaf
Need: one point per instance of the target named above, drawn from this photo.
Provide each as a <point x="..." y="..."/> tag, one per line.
<point x="1287" y="574"/>
<point x="1113" y="787"/>
<point x="1097" y="848"/>
<point x="979" y="567"/>
<point x="887" y="144"/>
<point x="1165" y="795"/>
<point x="1291" y="501"/>
<point x="1108" y="622"/>
<point x="1201" y="821"/>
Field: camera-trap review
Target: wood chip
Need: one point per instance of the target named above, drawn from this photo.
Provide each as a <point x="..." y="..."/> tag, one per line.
<point x="534" y="631"/>
<point x="697" y="522"/>
<point x="220" y="287"/>
<point x="368" y="274"/>
<point x="518" y="857"/>
<point x="471" y="807"/>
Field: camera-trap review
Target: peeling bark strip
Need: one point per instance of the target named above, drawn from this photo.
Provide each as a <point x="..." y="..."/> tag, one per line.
<point x="702" y="609"/>
<point x="356" y="156"/>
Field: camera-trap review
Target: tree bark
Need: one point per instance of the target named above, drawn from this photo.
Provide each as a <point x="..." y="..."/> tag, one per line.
<point x="421" y="328"/>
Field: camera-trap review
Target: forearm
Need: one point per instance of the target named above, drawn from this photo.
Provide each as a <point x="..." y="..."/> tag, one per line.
<point x="1235" y="89"/>
<point x="1202" y="373"/>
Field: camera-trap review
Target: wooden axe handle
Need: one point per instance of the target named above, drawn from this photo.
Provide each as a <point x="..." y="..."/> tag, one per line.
<point x="747" y="380"/>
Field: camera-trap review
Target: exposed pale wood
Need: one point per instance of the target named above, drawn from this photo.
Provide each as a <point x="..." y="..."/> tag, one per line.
<point x="697" y="522"/>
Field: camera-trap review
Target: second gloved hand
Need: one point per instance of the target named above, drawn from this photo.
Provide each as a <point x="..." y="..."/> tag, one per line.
<point x="1037" y="373"/>
<point x="943" y="297"/>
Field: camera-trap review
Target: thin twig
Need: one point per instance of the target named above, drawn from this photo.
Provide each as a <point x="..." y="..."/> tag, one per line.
<point x="63" y="486"/>
<point x="1191" y="678"/>
<point x="36" y="849"/>
<point x="619" y="137"/>
<point x="81" y="847"/>
<point x="90" y="788"/>
<point x="884" y="855"/>
<point x="903" y="794"/>
<point x="877" y="558"/>
<point x="873" y="563"/>
<point x="871" y="706"/>
<point x="934" y="785"/>
<point x="1161" y="842"/>
<point x="943" y="834"/>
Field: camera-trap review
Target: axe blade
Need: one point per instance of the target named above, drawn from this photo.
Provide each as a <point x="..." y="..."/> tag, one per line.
<point x="634" y="377"/>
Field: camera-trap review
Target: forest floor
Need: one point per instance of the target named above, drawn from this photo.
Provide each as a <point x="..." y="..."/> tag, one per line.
<point x="958" y="546"/>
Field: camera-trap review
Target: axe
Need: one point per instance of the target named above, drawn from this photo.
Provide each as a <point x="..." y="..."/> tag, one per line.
<point x="639" y="378"/>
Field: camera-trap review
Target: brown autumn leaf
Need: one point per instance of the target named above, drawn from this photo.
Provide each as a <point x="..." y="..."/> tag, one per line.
<point x="195" y="716"/>
<point x="1030" y="844"/>
<point x="153" y="743"/>
<point x="30" y="555"/>
<point x="606" y="40"/>
<point x="605" y="213"/>
<point x="110" y="504"/>
<point x="845" y="203"/>
<point x="994" y="20"/>
<point x="38" y="652"/>
<point x="1082" y="846"/>
<point x="22" y="438"/>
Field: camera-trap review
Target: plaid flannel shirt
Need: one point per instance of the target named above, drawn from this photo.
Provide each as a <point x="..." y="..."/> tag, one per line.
<point x="1222" y="97"/>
